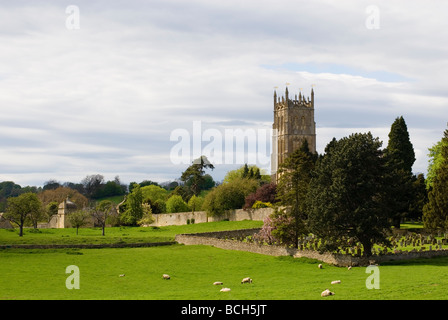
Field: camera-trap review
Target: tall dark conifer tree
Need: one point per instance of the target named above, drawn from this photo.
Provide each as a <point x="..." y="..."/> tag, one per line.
<point x="400" y="157"/>
<point x="292" y="189"/>
<point x="347" y="194"/>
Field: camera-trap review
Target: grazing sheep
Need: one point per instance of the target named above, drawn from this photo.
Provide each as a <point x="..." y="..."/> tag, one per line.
<point x="336" y="282"/>
<point x="349" y="267"/>
<point x="122" y="275"/>
<point x="246" y="280"/>
<point x="225" y="290"/>
<point x="217" y="283"/>
<point x="166" y="277"/>
<point x="326" y="293"/>
<point x="320" y="266"/>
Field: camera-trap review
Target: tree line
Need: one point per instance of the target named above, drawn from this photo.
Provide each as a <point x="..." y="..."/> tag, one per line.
<point x="356" y="192"/>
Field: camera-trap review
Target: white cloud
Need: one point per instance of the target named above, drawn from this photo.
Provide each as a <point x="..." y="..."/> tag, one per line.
<point x="104" y="98"/>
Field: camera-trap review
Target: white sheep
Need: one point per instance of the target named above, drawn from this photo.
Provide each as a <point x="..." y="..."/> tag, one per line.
<point x="349" y="268"/>
<point x="225" y="290"/>
<point x="166" y="277"/>
<point x="217" y="283"/>
<point x="326" y="293"/>
<point x="246" y="280"/>
<point x="122" y="275"/>
<point x="336" y="282"/>
<point x="320" y="266"/>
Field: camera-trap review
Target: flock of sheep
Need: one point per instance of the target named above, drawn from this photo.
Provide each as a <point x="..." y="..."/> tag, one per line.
<point x="216" y="283"/>
<point x="327" y="292"/>
<point x="324" y="293"/>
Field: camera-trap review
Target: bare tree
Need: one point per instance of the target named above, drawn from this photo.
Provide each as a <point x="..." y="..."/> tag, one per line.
<point x="102" y="212"/>
<point x="92" y="184"/>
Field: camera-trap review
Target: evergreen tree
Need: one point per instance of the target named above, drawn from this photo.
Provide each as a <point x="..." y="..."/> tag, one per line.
<point x="193" y="176"/>
<point x="420" y="198"/>
<point x="399" y="150"/>
<point x="400" y="157"/>
<point x="347" y="194"/>
<point x="435" y="212"/>
<point x="292" y="189"/>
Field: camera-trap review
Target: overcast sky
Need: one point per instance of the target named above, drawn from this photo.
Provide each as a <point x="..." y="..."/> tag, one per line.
<point x="102" y="91"/>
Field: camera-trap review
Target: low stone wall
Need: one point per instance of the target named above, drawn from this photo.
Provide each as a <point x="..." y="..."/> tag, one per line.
<point x="86" y="246"/>
<point x="182" y="218"/>
<point x="230" y="240"/>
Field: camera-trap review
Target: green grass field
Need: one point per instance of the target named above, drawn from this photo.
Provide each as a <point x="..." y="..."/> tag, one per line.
<point x="116" y="234"/>
<point x="40" y="274"/>
<point x="30" y="274"/>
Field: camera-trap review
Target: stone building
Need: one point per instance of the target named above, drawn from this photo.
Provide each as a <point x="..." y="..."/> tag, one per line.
<point x="293" y="122"/>
<point x="65" y="208"/>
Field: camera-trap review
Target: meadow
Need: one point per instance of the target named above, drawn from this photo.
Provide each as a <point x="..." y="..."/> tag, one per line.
<point x="116" y="234"/>
<point x="40" y="274"/>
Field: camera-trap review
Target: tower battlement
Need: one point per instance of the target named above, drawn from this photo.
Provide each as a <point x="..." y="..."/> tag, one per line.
<point x="298" y="101"/>
<point x="293" y="123"/>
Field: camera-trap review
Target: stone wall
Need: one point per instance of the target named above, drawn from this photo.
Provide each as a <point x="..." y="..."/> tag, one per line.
<point x="182" y="218"/>
<point x="230" y="240"/>
<point x="86" y="246"/>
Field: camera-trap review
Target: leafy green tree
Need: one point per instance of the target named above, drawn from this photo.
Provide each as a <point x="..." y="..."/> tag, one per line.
<point x="247" y="172"/>
<point x="228" y="196"/>
<point x="147" y="217"/>
<point x="102" y="212"/>
<point x="193" y="176"/>
<point x="153" y="193"/>
<point x="142" y="184"/>
<point x="347" y="194"/>
<point x="435" y="212"/>
<point x="400" y="157"/>
<point x="176" y="204"/>
<point x="51" y="209"/>
<point x="79" y="218"/>
<point x="435" y="161"/>
<point x="158" y="206"/>
<point x="21" y="208"/>
<point x="134" y="209"/>
<point x="195" y="203"/>
<point x="292" y="190"/>
<point x="8" y="189"/>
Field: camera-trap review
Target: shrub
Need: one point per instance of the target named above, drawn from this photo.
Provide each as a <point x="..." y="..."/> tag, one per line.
<point x="147" y="217"/>
<point x="228" y="196"/>
<point x="153" y="193"/>
<point x="176" y="204"/>
<point x="261" y="204"/>
<point x="195" y="203"/>
<point x="265" y="193"/>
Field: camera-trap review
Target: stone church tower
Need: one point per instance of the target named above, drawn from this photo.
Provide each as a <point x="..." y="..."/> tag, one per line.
<point x="293" y="122"/>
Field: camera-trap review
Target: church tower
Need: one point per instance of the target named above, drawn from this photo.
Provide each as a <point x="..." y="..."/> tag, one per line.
<point x="293" y="122"/>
